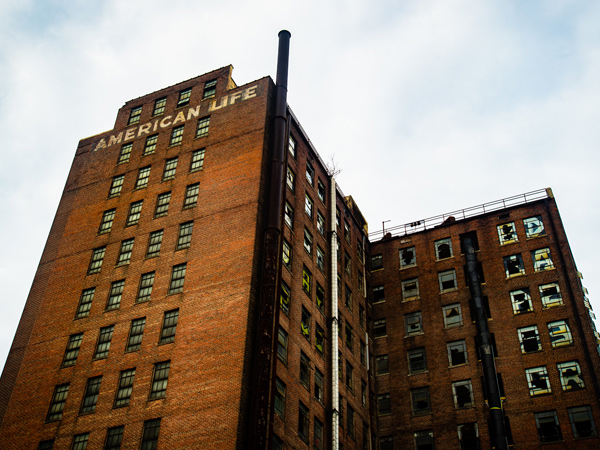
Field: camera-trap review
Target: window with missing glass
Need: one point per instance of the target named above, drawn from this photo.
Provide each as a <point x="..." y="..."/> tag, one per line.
<point x="542" y="260"/>
<point x="378" y="294"/>
<point x="408" y="257"/>
<point x="90" y="396"/>
<point x="513" y="266"/>
<point x="150" y="145"/>
<point x="534" y="227"/>
<point x="447" y="280"/>
<point x="142" y="178"/>
<point x="384" y="404"/>
<point x="420" y="401"/>
<point x="308" y="205"/>
<point x="462" y="392"/>
<point x="308" y="241"/>
<point x="169" y="327"/>
<point x="550" y="295"/>
<point x="417" y="361"/>
<point x="159" y="106"/>
<point x="507" y="233"/>
<point x="424" y="440"/>
<point x="537" y="381"/>
<point x="386" y="443"/>
<point x="468" y="436"/>
<point x="203" y="125"/>
<point x="382" y="366"/>
<point x="443" y="248"/>
<point x="170" y="169"/>
<point x="410" y="289"/>
<point x="292" y="146"/>
<point x="457" y="353"/>
<point x="115" y="294"/>
<point x="560" y="333"/>
<point x="376" y="262"/>
<point x="136" y="334"/>
<point x="379" y="328"/>
<point x="529" y="339"/>
<point x="548" y="426"/>
<point x="570" y="376"/>
<point x="197" y="161"/>
<point x="124" y="388"/>
<point x="291" y="180"/>
<point x="210" y="89"/>
<point x="154" y="243"/>
<point x="452" y="315"/>
<point x="521" y="301"/>
<point x="582" y="422"/>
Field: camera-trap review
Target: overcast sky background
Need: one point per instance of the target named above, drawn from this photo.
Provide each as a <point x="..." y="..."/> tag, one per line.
<point x="429" y="106"/>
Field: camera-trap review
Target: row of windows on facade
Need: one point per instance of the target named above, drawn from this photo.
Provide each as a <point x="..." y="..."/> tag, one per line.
<point x="114" y="438"/>
<point x="209" y="91"/>
<point x="134" y="340"/>
<point x="467" y="434"/>
<point x="534" y="227"/>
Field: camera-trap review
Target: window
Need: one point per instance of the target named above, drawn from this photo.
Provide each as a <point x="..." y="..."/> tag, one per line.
<point x="185" y="235"/>
<point x="145" y="289"/>
<point x="116" y="186"/>
<point x="291" y="179"/>
<point x="306" y="280"/>
<point x="341" y="410"/>
<point x="308" y="206"/>
<point x="582" y="422"/>
<point x="289" y="215"/>
<point x="541" y="260"/>
<point x="142" y="179"/>
<point x="135" y="210"/>
<point x="72" y="350"/>
<point x="115" y="294"/>
<point x="382" y="365"/>
<point x="361" y="315"/>
<point x="90" y="397"/>
<point x="457" y="353"/>
<point x="378" y="294"/>
<point x="513" y="266"/>
<point x="280" y="398"/>
<point x="125" y="153"/>
<point x="107" y="221"/>
<point x="462" y="391"/>
<point x="96" y="261"/>
<point x="154" y="242"/>
<point x="379" y="328"/>
<point x="57" y="404"/>
<point x="304" y="370"/>
<point x="80" y="441"/>
<point x="420" y="401"/>
<point x="349" y="376"/>
<point x="134" y="115"/>
<point x="529" y="339"/>
<point x="210" y="89"/>
<point x="292" y="146"/>
<point x="447" y="280"/>
<point x="347" y="264"/>
<point x="570" y="376"/>
<point x="424" y="440"/>
<point x="103" y="344"/>
<point x="417" y="361"/>
<point x="286" y="254"/>
<point x="340" y="368"/>
<point x="443" y="248"/>
<point x="320" y="297"/>
<point x="363" y="352"/>
<point x="305" y="323"/>
<point x="169" y="327"/>
<point x="159" y="106"/>
<point x="349" y="337"/>
<point x="160" y="380"/>
<point x="560" y="334"/>
<point x="284" y="298"/>
<point x="384" y="404"/>
<point x="170" y="168"/>
<point x="46" y="445"/>
<point x="408" y="257"/>
<point x="550" y="295"/>
<point x="350" y="422"/>
<point x="114" y="438"/>
<point x="320" y="223"/>
<point x="534" y="227"/>
<point x="184" y="97"/>
<point x="150" y="145"/>
<point x="85" y="303"/>
<point x="521" y="301"/>
<point x="191" y="195"/>
<point x="507" y="233"/>
<point x="136" y="333"/>
<point x="310" y="173"/>
<point x="124" y="388"/>
<point x="321" y="191"/>
<point x="452" y="315"/>
<point x="162" y="204"/>
<point x="413" y="323"/>
<point x="150" y="434"/>
<point x="303" y="422"/>
<point x="347" y="233"/>
<point x="410" y="289"/>
<point x="537" y="380"/>
<point x="320" y="258"/>
<point x="176" y="136"/>
<point x="548" y="426"/>
<point x="319" y="385"/>
<point x="177" y="278"/>
<point x="125" y="252"/>
<point x="348" y="298"/>
<point x="386" y="443"/>
<point x="319" y="339"/>
<point x="363" y="393"/>
<point x="203" y="125"/>
<point x="197" y="161"/>
<point x="468" y="436"/>
<point x="318" y="435"/>
<point x="308" y="241"/>
<point x="282" y="344"/>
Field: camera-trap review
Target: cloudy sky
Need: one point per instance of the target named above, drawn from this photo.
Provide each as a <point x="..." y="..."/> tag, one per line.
<point x="427" y="106"/>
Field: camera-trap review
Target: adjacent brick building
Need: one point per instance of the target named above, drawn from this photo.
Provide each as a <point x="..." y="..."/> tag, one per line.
<point x="143" y="322"/>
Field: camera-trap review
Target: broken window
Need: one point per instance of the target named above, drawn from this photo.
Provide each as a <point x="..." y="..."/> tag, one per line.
<point x="382" y="365"/>
<point x="507" y="233"/>
<point x="443" y="248"/>
<point x="384" y="404"/>
<point x="306" y="280"/>
<point x="376" y="262"/>
<point x="582" y="422"/>
<point x="541" y="259"/>
<point x="462" y="391"/>
<point x="529" y="339"/>
<point x="521" y="301"/>
<point x="560" y="334"/>
<point x="452" y="316"/>
<point x="447" y="280"/>
<point x="410" y="289"/>
<point x="550" y="294"/>
<point x="537" y="381"/>
<point x="417" y="361"/>
<point x="320" y="223"/>
<point x="534" y="227"/>
<point x="420" y="401"/>
<point x="308" y="206"/>
<point x="457" y="353"/>
<point x="424" y="440"/>
<point x="305" y="323"/>
<point x="548" y="426"/>
<point x="468" y="436"/>
<point x="378" y="294"/>
<point x="513" y="266"/>
<point x="408" y="257"/>
<point x="379" y="328"/>
<point x="320" y="297"/>
<point x="308" y="241"/>
<point x="291" y="179"/>
<point x="413" y="323"/>
<point x="319" y="339"/>
<point x="286" y="254"/>
<point x="570" y="376"/>
<point x="289" y="215"/>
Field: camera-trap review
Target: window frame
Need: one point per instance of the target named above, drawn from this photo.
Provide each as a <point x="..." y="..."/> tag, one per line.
<point x="203" y="127"/>
<point x="177" y="278"/>
<point x="136" y="335"/>
<point x="160" y="380"/>
<point x="169" y="327"/>
<point x="143" y="178"/>
<point x="124" y="388"/>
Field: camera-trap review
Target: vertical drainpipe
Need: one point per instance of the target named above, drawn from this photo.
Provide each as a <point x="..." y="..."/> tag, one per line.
<point x="367" y="355"/>
<point x="488" y="365"/>
<point x="335" y="390"/>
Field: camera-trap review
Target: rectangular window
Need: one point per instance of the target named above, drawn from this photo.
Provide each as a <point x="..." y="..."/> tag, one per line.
<point x="363" y="352"/>
<point x="320" y="223"/>
<point x="462" y="392"/>
<point x="582" y="422"/>
<point x="521" y="301"/>
<point x="347" y="232"/>
<point x="170" y="169"/>
<point x="177" y="278"/>
<point x="447" y="280"/>
<point x="134" y="115"/>
<point x="349" y="336"/>
<point x="197" y="161"/>
<point x="169" y="327"/>
<point x="378" y="294"/>
<point x="537" y="380"/>
<point x="347" y="264"/>
<point x="304" y="370"/>
<point x="90" y="397"/>
<point x="560" y="334"/>
<point x="125" y="153"/>
<point x="210" y="89"/>
<point x="310" y="173"/>
<point x="184" y="97"/>
<point x="57" y="404"/>
<point x="116" y="186"/>
<point x="176" y="136"/>
<point x="305" y="323"/>
<point x="548" y="426"/>
<point x="280" y="398"/>
<point x="452" y="315"/>
<point x="135" y="210"/>
<point x="424" y="440"/>
<point x="46" y="445"/>
<point x="386" y="443"/>
<point x="142" y="178"/>
<point x="308" y="206"/>
<point x="529" y="339"/>
<point x="413" y="323"/>
<point x="85" y="303"/>
<point x="150" y="434"/>
<point x="185" y="235"/>
<point x="457" y="353"/>
<point x="306" y="280"/>
<point x="417" y="361"/>
<point x="408" y="257"/>
<point x="160" y="379"/>
<point x="382" y="365"/>
<point x="348" y="297"/>
<point x="410" y="289"/>
<point x="277" y="443"/>
<point x="550" y="294"/>
<point x="80" y="441"/>
<point x="420" y="401"/>
<point x="107" y="221"/>
<point x="159" y="106"/>
<point x="320" y="258"/>
<point x="203" y="125"/>
<point x="115" y="294"/>
<point x="321" y="191"/>
<point x="513" y="266"/>
<point x="303" y="422"/>
<point x="349" y="376"/>
<point x="285" y="297"/>
<point x="443" y="248"/>
<point x="162" y="204"/>
<point x="154" y="242"/>
<point x="319" y="339"/>
<point x="308" y="241"/>
<point x="468" y="436"/>
<point x="350" y="422"/>
<point x="145" y="289"/>
<point x="125" y="252"/>
<point x="282" y="345"/>
<point x="319" y="385"/>
<point x="318" y="435"/>
<point x="570" y="376"/>
<point x="542" y="260"/>
<point x="136" y="333"/>
<point x="96" y="261"/>
<point x="361" y="315"/>
<point x="534" y="227"/>
<point x="291" y="179"/>
<point x="124" y="388"/>
<point x="286" y="254"/>
<point x="150" y="145"/>
<point x="320" y="297"/>
<point x="384" y="404"/>
<point x="379" y="328"/>
<point x="292" y="146"/>
<point x="103" y="344"/>
<point x="191" y="195"/>
<point x="288" y="215"/>
<point x="72" y="350"/>
<point x="114" y="438"/>
<point x="507" y="233"/>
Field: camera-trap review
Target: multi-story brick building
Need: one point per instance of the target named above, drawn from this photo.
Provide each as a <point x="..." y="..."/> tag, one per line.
<point x="157" y="308"/>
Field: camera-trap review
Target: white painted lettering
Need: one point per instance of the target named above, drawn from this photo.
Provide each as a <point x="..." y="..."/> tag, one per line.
<point x="180" y="118"/>
<point x="232" y="97"/>
<point x="130" y="134"/>
<point x="155" y="125"/>
<point x="144" y="129"/>
<point x="101" y="144"/>
<point x="115" y="140"/>
<point x="193" y="112"/>
<point x="164" y="124"/>
<point x="249" y="93"/>
<point x="213" y="105"/>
